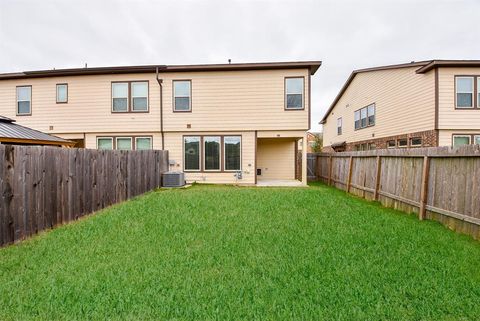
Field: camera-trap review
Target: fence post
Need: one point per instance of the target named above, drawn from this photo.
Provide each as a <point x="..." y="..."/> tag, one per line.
<point x="377" y="178"/>
<point x="349" y="178"/>
<point x="330" y="170"/>
<point x="424" y="190"/>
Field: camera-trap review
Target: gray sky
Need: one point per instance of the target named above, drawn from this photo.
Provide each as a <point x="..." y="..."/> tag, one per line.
<point x="345" y="35"/>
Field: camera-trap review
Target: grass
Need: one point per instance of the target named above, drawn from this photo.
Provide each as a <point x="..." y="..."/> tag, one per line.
<point x="219" y="252"/>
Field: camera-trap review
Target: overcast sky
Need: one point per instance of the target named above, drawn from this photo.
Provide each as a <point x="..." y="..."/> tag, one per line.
<point x="345" y="35"/>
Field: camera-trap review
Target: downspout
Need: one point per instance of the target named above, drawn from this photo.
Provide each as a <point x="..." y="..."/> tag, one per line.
<point x="160" y="81"/>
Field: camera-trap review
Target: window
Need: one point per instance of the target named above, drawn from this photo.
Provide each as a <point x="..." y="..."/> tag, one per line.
<point x="357" y="119"/>
<point x="143" y="143"/>
<point x="391" y="144"/>
<point x="402" y="142"/>
<point x="294" y="93"/>
<point x="476" y="139"/>
<point x="365" y="117"/>
<point x="191" y="153"/>
<point x="105" y="143"/>
<point x="120" y="97"/>
<point x="124" y="143"/>
<point x="62" y="93"/>
<point x="211" y="150"/>
<point x="372" y="146"/>
<point x="464" y="92"/>
<point x="24" y="100"/>
<point x="459" y="140"/>
<point x="339" y="126"/>
<point x="130" y="96"/>
<point x="182" y="91"/>
<point x="139" y="96"/>
<point x="478" y="92"/>
<point x="232" y="153"/>
<point x="416" y="142"/>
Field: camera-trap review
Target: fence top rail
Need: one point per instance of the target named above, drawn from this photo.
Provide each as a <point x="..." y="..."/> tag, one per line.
<point x="461" y="151"/>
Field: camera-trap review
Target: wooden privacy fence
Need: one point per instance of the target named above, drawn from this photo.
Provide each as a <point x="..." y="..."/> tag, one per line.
<point x="41" y="187"/>
<point x="440" y="183"/>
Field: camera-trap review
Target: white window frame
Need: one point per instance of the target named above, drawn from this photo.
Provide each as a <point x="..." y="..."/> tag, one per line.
<point x="123" y="137"/>
<point x="128" y="100"/>
<point x="219" y="156"/>
<point x="58" y="101"/>
<point x="339" y="126"/>
<point x="189" y="81"/>
<point x="398" y="142"/>
<point x="200" y="149"/>
<point x="17" y="101"/>
<point x="302" y="107"/>
<point x="391" y="140"/>
<point x="105" y="137"/>
<point x="416" y="145"/>
<point x="130" y="107"/>
<point x="475" y="139"/>
<point x="225" y="154"/>
<point x="458" y="92"/>
<point x="143" y="137"/>
<point x="461" y="135"/>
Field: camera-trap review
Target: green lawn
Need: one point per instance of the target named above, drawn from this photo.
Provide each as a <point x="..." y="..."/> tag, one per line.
<point x="218" y="252"/>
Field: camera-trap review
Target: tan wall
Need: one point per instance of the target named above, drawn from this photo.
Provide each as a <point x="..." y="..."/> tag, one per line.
<point x="276" y="158"/>
<point x="448" y="117"/>
<point x="405" y="102"/>
<point x="445" y="136"/>
<point x="228" y="100"/>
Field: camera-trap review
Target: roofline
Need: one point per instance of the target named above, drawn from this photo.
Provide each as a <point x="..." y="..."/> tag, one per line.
<point x="448" y="63"/>
<point x="355" y="72"/>
<point x="36" y="141"/>
<point x="311" y="65"/>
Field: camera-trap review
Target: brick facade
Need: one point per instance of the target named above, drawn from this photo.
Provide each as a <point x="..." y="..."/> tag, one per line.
<point x="429" y="139"/>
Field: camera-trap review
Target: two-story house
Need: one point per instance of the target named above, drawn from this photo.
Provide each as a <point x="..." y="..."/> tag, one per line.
<point x="221" y="123"/>
<point x="418" y="104"/>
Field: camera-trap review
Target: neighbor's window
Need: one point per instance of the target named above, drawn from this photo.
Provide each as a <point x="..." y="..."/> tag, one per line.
<point x="120" y="97"/>
<point x="232" y="150"/>
<point x="105" y="143"/>
<point x="391" y="144"/>
<point x="24" y="100"/>
<point x="182" y="90"/>
<point x="416" y="142"/>
<point x="62" y="93"/>
<point x="124" y="143"/>
<point x="294" y="93"/>
<point x="402" y="142"/>
<point x="464" y="92"/>
<point x="139" y="96"/>
<point x="476" y="139"/>
<point x="211" y="151"/>
<point x="459" y="140"/>
<point x="143" y="143"/>
<point x="365" y="117"/>
<point x="372" y="146"/>
<point x="339" y="126"/>
<point x="191" y="153"/>
<point x="357" y="119"/>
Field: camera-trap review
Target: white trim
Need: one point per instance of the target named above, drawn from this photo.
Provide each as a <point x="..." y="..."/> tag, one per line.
<point x="224" y="154"/>
<point x="18" y="100"/>
<point x="189" y="95"/>
<point x="132" y="96"/>
<point x="219" y="154"/>
<point x="461" y="92"/>
<point x="105" y="137"/>
<point x="302" y="92"/>
<point x="143" y="137"/>
<point x="398" y="142"/>
<point x="123" y="137"/>
<point x="199" y="153"/>
<point x="475" y="139"/>
<point x="467" y="136"/>
<point x="113" y="85"/>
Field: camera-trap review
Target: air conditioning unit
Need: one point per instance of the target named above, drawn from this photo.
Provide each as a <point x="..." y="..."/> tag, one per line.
<point x="173" y="179"/>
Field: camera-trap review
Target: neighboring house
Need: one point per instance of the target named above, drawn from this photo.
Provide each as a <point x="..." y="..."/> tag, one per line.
<point x="14" y="134"/>
<point x="223" y="123"/>
<point x="418" y="104"/>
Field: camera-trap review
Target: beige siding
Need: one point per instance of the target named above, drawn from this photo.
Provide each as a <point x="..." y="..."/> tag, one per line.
<point x="445" y="136"/>
<point x="448" y="116"/>
<point x="174" y="145"/>
<point x="404" y="100"/>
<point x="228" y="100"/>
<point x="276" y="158"/>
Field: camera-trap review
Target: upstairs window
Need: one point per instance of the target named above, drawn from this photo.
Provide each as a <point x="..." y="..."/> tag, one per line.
<point x="294" y="93"/>
<point x="365" y="117"/>
<point x="130" y="96"/>
<point x="182" y="92"/>
<point x="339" y="126"/>
<point x="62" y="93"/>
<point x="464" y="92"/>
<point x="24" y="100"/>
